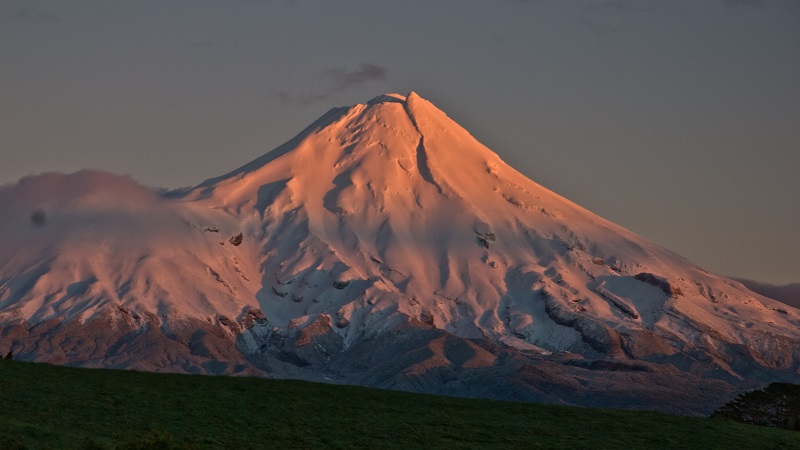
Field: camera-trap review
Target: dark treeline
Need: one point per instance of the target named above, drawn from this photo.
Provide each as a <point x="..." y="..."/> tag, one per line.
<point x="777" y="405"/>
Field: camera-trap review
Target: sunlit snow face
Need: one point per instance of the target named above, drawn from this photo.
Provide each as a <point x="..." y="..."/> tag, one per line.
<point x="378" y="216"/>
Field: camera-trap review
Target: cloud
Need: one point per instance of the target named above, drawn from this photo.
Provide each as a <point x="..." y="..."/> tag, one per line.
<point x="364" y="74"/>
<point x="338" y="79"/>
<point x="787" y="293"/>
<point x="34" y="14"/>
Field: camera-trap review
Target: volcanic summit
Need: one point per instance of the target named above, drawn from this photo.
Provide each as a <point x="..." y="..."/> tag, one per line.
<point x="383" y="246"/>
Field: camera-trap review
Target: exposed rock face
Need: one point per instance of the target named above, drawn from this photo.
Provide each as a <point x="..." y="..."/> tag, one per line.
<point x="113" y="340"/>
<point x="236" y="240"/>
<point x="658" y="282"/>
<point x="382" y="246"/>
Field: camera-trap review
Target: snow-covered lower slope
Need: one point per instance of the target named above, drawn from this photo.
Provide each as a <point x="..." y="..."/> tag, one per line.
<point x="383" y="232"/>
<point x="72" y="245"/>
<point x="418" y="218"/>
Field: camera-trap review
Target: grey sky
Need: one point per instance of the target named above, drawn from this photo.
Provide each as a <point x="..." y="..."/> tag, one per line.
<point x="679" y="120"/>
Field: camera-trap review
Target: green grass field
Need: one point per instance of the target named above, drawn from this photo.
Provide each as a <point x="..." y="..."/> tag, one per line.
<point x="44" y="406"/>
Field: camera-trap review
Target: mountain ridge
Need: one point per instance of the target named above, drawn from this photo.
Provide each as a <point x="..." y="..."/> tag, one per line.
<point x="383" y="232"/>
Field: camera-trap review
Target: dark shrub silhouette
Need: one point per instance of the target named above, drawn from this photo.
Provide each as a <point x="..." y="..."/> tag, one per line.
<point x="777" y="405"/>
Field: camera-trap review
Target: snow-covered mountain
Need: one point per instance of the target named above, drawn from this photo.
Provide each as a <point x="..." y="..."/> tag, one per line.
<point x="382" y="246"/>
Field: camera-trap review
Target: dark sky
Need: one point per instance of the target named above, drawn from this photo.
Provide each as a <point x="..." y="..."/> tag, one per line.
<point x="678" y="119"/>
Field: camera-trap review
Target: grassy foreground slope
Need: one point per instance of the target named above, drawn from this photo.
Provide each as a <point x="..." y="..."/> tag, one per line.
<point x="49" y="406"/>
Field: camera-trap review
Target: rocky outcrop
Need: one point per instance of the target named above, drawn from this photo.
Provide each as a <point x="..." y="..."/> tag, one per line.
<point x="658" y="282"/>
<point x="112" y="339"/>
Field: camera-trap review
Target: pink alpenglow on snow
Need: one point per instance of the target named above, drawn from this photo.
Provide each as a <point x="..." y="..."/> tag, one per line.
<point x="383" y="246"/>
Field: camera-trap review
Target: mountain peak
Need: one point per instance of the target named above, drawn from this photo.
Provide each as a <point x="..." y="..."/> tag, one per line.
<point x="393" y="97"/>
<point x="388" y="98"/>
<point x="379" y="225"/>
<point x="397" y="181"/>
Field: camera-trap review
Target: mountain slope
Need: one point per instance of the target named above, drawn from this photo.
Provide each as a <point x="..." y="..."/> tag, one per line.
<point x="383" y="246"/>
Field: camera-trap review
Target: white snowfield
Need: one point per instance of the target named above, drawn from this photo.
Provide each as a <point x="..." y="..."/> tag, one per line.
<point x="376" y="215"/>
